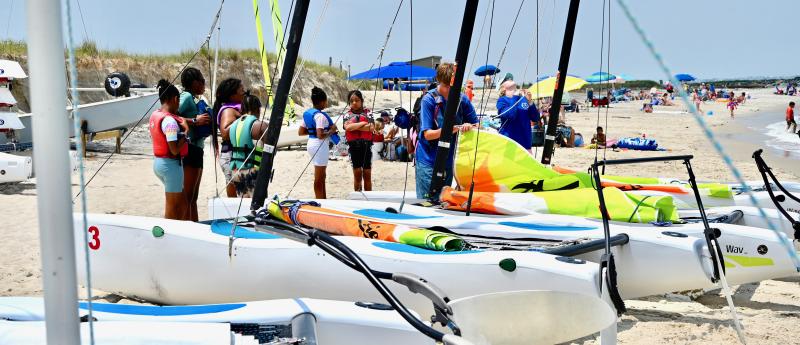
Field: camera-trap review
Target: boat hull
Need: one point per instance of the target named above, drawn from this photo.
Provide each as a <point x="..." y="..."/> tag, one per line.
<point x="190" y="264"/>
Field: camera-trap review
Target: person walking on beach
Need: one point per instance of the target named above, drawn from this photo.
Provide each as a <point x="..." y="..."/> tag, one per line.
<point x="791" y="125"/>
<point x="359" y="127"/>
<point x="195" y="110"/>
<point x="432" y="110"/>
<point x="168" y="134"/>
<point x="516" y="113"/>
<point x="320" y="130"/>
<point x="732" y="104"/>
<point x="247" y="136"/>
<point x="227" y="108"/>
<point x="697" y="100"/>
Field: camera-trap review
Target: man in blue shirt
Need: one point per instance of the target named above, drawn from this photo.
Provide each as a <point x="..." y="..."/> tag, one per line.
<point x="432" y="110"/>
<point x="516" y="113"/>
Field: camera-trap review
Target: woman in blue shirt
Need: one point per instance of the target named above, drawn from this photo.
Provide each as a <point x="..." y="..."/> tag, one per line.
<point x="516" y="113"/>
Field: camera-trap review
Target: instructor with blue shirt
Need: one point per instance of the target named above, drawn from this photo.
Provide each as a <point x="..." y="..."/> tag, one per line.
<point x="432" y="109"/>
<point x="516" y="113"/>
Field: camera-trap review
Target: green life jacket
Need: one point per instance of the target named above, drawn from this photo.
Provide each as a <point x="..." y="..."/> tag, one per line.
<point x="242" y="142"/>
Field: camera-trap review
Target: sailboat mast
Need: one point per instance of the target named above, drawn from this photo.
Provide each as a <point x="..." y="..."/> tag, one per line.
<point x="54" y="206"/>
<point x="281" y="97"/>
<point x="462" y="53"/>
<point x="561" y="75"/>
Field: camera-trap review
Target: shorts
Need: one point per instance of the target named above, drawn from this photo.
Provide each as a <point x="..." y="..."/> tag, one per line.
<point x="170" y="172"/>
<point x="424" y="175"/>
<point x="245" y="181"/>
<point x="194" y="158"/>
<point x="360" y="153"/>
<point x="790" y="122"/>
<point x="225" y="164"/>
<point x="318" y="150"/>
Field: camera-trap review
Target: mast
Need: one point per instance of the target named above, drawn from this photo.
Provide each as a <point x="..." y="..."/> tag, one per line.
<point x="563" y="64"/>
<point x="281" y="96"/>
<point x="462" y="53"/>
<point x="54" y="206"/>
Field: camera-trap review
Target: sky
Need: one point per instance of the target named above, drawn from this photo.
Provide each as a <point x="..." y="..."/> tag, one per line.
<point x="708" y="39"/>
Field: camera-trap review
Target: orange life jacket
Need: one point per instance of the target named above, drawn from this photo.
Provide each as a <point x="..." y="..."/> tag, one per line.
<point x="160" y="145"/>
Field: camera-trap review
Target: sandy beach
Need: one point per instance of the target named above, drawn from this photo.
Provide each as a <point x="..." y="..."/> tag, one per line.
<point x="769" y="310"/>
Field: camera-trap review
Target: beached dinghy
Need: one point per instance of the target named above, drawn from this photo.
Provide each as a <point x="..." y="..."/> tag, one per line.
<point x="640" y="261"/>
<point x="178" y="262"/>
<point x="323" y="321"/>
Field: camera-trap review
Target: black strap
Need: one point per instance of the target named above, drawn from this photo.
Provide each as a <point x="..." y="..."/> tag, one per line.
<point x="607" y="262"/>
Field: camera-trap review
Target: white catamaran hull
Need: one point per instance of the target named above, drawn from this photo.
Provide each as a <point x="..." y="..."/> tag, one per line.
<point x="118" y="113"/>
<point x="190" y="264"/>
<point x="15" y="168"/>
<point x="656" y="259"/>
<point x="334" y="322"/>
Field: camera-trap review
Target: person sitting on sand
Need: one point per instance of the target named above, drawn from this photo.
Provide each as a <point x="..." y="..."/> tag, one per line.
<point x="227" y="108"/>
<point x="247" y="135"/>
<point x="377" y="139"/>
<point x="791" y="125"/>
<point x="168" y="133"/>
<point x="358" y="128"/>
<point x="599" y="138"/>
<point x="432" y="117"/>
<point x="516" y="113"/>
<point x="321" y="131"/>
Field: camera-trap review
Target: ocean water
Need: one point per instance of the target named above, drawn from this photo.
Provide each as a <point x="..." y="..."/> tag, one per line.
<point x="781" y="140"/>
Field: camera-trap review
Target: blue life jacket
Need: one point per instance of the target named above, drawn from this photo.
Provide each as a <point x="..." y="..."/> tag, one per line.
<point x="311" y="126"/>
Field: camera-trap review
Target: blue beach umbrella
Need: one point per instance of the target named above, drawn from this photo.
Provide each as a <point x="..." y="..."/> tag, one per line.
<point x="487" y="70"/>
<point x="599" y="77"/>
<point x="685" y="77"/>
<point x="401" y="70"/>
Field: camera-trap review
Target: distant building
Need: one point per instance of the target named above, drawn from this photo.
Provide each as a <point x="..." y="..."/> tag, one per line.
<point x="430" y="61"/>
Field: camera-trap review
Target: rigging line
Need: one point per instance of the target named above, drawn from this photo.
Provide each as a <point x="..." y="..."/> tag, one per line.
<point x="8" y="22"/>
<point x="480" y="35"/>
<point x="133" y="128"/>
<point x="311" y="44"/>
<point x="483" y="104"/>
<point x="380" y="54"/>
<point x="608" y="69"/>
<point x="76" y="122"/>
<point x="211" y="100"/>
<point x="534" y="38"/>
<point x="711" y="137"/>
<point x="80" y="11"/>
<point x="410" y="96"/>
<point x="602" y="43"/>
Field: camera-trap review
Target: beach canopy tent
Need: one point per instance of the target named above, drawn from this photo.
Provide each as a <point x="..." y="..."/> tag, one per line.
<point x="399" y="70"/>
<point x="487" y="70"/>
<point x="685" y="77"/>
<point x="546" y="87"/>
<point x="599" y="77"/>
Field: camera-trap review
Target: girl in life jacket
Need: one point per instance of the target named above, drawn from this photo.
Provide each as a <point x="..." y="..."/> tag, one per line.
<point x="247" y="136"/>
<point x="168" y="133"/>
<point x="227" y="108"/>
<point x="321" y="131"/>
<point x="358" y="131"/>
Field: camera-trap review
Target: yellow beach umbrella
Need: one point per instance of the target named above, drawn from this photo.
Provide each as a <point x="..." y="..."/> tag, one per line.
<point x="546" y="87"/>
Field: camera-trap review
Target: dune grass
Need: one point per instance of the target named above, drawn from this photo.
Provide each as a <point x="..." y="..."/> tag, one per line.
<point x="88" y="49"/>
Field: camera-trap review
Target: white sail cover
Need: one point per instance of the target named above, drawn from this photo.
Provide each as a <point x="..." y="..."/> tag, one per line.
<point x="10" y="121"/>
<point x="6" y="97"/>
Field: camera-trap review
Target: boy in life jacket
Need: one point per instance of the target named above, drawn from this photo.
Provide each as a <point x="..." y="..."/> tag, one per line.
<point x="358" y="132"/>
<point x="167" y="131"/>
<point x="321" y="131"/>
<point x="432" y="109"/>
<point x="247" y="138"/>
